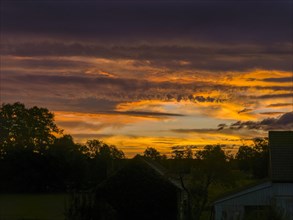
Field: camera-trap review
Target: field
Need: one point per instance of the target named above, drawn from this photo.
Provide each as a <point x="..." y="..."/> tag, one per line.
<point x="32" y="206"/>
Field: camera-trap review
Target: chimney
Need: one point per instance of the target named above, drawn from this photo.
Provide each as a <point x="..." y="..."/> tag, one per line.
<point x="281" y="156"/>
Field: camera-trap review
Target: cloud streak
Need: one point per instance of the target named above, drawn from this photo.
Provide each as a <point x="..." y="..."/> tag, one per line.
<point x="284" y="122"/>
<point x="145" y="114"/>
<point x="279" y="80"/>
<point x="175" y="56"/>
<point x="276" y="105"/>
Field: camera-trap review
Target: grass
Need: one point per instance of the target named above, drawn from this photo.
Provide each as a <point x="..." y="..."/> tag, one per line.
<point x="32" y="206"/>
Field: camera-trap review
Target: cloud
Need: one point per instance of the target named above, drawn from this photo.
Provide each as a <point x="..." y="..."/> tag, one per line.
<point x="271" y="113"/>
<point x="87" y="136"/>
<point x="183" y="147"/>
<point x="174" y="35"/>
<point x="275" y="88"/>
<point x="212" y="21"/>
<point x="98" y="94"/>
<point x="106" y="107"/>
<point x="242" y="128"/>
<point x="173" y="56"/>
<point x="207" y="61"/>
<point x="284" y="122"/>
<point x="245" y="110"/>
<point x="81" y="125"/>
<point x="91" y="105"/>
<point x="275" y="105"/>
<point x="200" y="130"/>
<point x="42" y="63"/>
<point x="145" y="114"/>
<point x="270" y="96"/>
<point x="222" y="132"/>
<point x="113" y="90"/>
<point x="93" y="123"/>
<point x="279" y="80"/>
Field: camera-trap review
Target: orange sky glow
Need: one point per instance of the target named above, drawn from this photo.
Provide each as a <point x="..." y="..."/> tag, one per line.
<point x="147" y="74"/>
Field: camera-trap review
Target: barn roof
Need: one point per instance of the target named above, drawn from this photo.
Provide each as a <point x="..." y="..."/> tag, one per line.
<point x="243" y="191"/>
<point x="148" y="165"/>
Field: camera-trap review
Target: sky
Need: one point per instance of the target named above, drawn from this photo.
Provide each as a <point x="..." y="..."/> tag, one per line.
<point x="160" y="74"/>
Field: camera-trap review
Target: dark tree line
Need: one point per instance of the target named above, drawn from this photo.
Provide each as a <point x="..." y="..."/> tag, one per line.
<point x="35" y="156"/>
<point x="254" y="159"/>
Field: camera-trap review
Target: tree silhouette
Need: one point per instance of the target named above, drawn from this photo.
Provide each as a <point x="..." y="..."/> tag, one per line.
<point x="254" y="159"/>
<point x="36" y="157"/>
<point x="213" y="168"/>
<point x="32" y="128"/>
<point x="179" y="152"/>
<point x="32" y="158"/>
<point x="98" y="149"/>
<point x="153" y="154"/>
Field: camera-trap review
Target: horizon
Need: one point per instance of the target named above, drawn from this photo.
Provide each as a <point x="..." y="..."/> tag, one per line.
<point x="152" y="74"/>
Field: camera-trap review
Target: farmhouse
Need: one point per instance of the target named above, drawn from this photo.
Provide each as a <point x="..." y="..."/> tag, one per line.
<point x="141" y="190"/>
<point x="273" y="197"/>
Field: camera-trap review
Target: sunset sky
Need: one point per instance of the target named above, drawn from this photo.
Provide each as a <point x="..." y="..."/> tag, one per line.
<point x="160" y="74"/>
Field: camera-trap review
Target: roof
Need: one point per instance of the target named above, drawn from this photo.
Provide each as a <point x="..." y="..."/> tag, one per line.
<point x="162" y="171"/>
<point x="243" y="191"/>
<point x="156" y="168"/>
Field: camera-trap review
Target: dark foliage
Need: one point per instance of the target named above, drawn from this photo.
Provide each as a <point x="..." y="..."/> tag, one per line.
<point x="153" y="153"/>
<point x="31" y="128"/>
<point x="254" y="159"/>
<point x="34" y="159"/>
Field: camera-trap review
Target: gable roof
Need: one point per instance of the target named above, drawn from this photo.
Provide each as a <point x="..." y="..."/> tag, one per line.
<point x="162" y="171"/>
<point x="146" y="166"/>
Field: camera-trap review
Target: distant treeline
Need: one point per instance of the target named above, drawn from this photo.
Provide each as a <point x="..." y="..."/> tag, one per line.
<point x="35" y="155"/>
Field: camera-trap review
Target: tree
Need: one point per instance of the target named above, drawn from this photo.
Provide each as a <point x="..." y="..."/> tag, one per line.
<point x="32" y="128"/>
<point x="153" y="154"/>
<point x="182" y="152"/>
<point x="255" y="158"/>
<point x="97" y="149"/>
<point x="177" y="154"/>
<point x="66" y="164"/>
<point x="261" y="163"/>
<point x="33" y="158"/>
<point x="245" y="157"/>
<point x="212" y="168"/>
<point x="100" y="159"/>
<point x="188" y="154"/>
